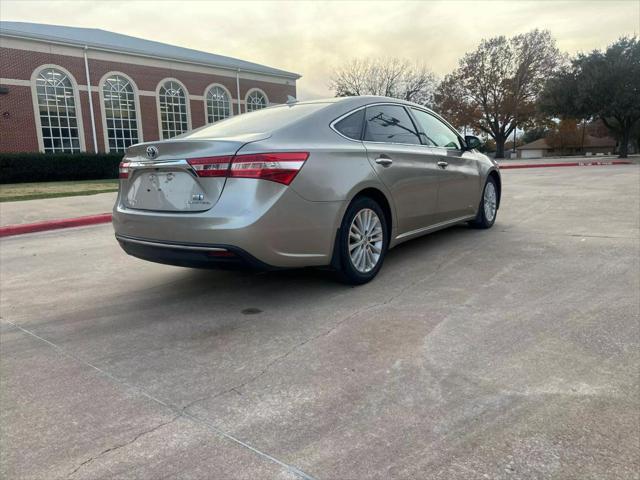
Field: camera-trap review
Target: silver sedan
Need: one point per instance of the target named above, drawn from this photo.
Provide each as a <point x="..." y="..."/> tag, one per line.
<point x="321" y="183"/>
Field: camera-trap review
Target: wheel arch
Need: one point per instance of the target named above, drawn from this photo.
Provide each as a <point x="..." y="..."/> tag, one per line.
<point x="496" y="178"/>
<point x="378" y="196"/>
<point x="381" y="199"/>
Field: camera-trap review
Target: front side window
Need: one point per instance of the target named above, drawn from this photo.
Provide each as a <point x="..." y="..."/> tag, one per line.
<point x="120" y="113"/>
<point x="256" y="100"/>
<point x="436" y="133"/>
<point x="57" y="109"/>
<point x="389" y="124"/>
<point x="173" y="109"/>
<point x="218" y="104"/>
<point x="351" y="126"/>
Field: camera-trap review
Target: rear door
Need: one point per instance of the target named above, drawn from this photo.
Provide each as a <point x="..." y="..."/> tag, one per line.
<point x="459" y="179"/>
<point x="408" y="168"/>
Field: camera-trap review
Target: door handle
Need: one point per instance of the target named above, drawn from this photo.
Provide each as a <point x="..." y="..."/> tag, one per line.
<point x="443" y="164"/>
<point x="384" y="161"/>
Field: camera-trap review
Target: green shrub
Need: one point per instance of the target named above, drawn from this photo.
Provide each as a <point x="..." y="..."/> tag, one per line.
<point x="51" y="167"/>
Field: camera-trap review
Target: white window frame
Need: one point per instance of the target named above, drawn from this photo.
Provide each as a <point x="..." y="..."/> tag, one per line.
<point x="206" y="107"/>
<point x="249" y="92"/>
<point x="187" y="102"/>
<point x="136" y="96"/>
<point x="76" y="99"/>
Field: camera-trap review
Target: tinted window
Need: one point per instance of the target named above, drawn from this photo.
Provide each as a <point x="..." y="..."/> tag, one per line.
<point x="351" y="126"/>
<point x="436" y="133"/>
<point x="391" y="124"/>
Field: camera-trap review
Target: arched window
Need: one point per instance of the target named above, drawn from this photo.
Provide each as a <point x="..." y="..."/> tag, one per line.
<point x="57" y="108"/>
<point x="218" y="104"/>
<point x="120" y="112"/>
<point x="256" y="99"/>
<point x="172" y="100"/>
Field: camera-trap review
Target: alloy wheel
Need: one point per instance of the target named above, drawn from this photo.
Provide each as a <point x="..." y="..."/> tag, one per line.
<point x="490" y="201"/>
<point x="365" y="240"/>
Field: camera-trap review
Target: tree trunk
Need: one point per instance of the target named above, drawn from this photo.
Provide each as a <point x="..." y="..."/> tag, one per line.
<point x="499" y="146"/>
<point x="624" y="141"/>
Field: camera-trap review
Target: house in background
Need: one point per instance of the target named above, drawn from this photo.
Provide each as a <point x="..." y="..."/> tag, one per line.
<point x="591" y="146"/>
<point x="67" y="89"/>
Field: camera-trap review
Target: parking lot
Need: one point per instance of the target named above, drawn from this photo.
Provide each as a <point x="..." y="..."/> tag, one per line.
<point x="509" y="353"/>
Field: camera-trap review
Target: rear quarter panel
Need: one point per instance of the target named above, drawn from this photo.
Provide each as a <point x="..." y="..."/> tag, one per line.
<point x="337" y="168"/>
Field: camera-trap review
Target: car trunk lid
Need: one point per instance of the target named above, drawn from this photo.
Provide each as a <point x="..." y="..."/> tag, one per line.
<point x="160" y="178"/>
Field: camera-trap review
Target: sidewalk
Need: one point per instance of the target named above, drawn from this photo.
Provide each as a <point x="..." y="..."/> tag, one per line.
<point x="30" y="211"/>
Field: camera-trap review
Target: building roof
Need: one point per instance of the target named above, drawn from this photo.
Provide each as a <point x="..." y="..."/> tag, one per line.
<point x="105" y="40"/>
<point x="539" y="144"/>
<point x="589" y="141"/>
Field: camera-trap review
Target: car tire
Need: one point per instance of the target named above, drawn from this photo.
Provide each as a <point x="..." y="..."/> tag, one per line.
<point x="488" y="208"/>
<point x="360" y="260"/>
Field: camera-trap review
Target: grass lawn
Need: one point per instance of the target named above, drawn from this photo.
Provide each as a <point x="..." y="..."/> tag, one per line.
<point x="12" y="192"/>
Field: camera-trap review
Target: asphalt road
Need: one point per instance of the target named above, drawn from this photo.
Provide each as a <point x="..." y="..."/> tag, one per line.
<point x="511" y="353"/>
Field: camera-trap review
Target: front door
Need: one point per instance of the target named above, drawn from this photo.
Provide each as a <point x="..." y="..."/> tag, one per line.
<point x="459" y="182"/>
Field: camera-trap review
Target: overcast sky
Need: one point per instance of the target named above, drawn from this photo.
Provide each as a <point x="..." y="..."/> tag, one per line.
<point x="312" y="38"/>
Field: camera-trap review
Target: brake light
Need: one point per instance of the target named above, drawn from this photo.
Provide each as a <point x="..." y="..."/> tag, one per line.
<point x="211" y="166"/>
<point x="281" y="167"/>
<point x="123" y="170"/>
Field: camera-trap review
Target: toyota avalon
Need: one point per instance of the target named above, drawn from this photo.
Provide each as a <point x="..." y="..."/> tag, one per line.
<point x="320" y="183"/>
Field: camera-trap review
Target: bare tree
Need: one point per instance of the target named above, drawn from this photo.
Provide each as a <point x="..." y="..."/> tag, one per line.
<point x="385" y="77"/>
<point x="497" y="85"/>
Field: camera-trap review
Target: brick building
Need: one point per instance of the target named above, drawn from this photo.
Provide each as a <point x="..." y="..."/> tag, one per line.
<point x="140" y="90"/>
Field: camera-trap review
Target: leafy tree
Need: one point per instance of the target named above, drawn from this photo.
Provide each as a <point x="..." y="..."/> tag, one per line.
<point x="534" y="133"/>
<point x="385" y="77"/>
<point x="447" y="100"/>
<point x="596" y="128"/>
<point x="495" y="88"/>
<point x="488" y="147"/>
<point x="604" y="85"/>
<point x="566" y="134"/>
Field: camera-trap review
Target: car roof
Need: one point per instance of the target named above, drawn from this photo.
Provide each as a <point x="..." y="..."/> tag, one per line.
<point x="270" y="120"/>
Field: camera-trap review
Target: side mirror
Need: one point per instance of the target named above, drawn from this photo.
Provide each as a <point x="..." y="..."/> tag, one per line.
<point x="472" y="142"/>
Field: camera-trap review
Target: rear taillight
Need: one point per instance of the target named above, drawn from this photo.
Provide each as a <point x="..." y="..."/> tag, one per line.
<point x="211" y="166"/>
<point x="123" y="170"/>
<point x="281" y="167"/>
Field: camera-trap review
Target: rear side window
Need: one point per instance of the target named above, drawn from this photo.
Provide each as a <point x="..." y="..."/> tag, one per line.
<point x="390" y="124"/>
<point x="351" y="126"/>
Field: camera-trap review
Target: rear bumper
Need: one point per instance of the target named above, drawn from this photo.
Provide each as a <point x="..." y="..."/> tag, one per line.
<point x="192" y="256"/>
<point x="262" y="220"/>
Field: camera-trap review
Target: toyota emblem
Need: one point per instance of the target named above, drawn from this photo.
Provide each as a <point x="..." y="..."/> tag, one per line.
<point x="152" y="152"/>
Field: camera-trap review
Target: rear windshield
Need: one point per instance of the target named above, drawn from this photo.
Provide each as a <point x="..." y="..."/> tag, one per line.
<point x="260" y="121"/>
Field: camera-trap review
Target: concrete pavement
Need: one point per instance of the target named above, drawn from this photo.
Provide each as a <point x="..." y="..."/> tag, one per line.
<point x="503" y="354"/>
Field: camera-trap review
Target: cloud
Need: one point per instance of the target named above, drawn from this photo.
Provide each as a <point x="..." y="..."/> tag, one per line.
<point x="312" y="38"/>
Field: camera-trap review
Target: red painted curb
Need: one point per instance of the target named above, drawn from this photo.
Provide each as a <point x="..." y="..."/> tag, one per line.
<point x="566" y="164"/>
<point x="9" y="230"/>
